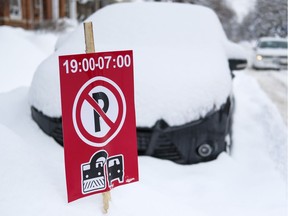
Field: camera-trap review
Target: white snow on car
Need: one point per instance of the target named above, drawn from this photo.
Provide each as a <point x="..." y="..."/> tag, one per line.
<point x="181" y="71"/>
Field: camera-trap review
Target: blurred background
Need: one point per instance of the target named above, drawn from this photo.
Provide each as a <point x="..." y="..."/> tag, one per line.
<point x="241" y="19"/>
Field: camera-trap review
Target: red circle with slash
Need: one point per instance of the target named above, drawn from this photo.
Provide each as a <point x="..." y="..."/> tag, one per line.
<point x="84" y="96"/>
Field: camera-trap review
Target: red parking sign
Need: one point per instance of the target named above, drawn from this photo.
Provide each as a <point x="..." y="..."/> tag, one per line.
<point x="98" y="118"/>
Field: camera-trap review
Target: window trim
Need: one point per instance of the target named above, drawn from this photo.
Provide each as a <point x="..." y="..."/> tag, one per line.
<point x="15" y="6"/>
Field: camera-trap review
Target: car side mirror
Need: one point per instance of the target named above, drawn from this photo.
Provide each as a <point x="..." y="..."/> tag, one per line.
<point x="236" y="56"/>
<point x="237" y="64"/>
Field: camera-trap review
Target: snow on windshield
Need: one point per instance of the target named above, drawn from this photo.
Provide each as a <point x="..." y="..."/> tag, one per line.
<point x="181" y="71"/>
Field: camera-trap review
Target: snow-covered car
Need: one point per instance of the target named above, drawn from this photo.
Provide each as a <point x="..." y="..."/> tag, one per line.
<point x="183" y="66"/>
<point x="270" y="53"/>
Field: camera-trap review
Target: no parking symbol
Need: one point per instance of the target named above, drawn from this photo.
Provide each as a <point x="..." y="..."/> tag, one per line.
<point x="99" y="111"/>
<point x="98" y="120"/>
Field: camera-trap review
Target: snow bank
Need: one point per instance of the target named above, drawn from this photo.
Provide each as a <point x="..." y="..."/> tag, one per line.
<point x="264" y="124"/>
<point x="26" y="49"/>
<point x="33" y="178"/>
<point x="181" y="71"/>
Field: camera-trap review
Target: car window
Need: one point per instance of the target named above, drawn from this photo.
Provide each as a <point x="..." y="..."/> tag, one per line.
<point x="273" y="44"/>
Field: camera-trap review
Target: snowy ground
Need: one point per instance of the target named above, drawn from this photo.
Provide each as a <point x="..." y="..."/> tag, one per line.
<point x="274" y="83"/>
<point x="251" y="182"/>
<point x="21" y="52"/>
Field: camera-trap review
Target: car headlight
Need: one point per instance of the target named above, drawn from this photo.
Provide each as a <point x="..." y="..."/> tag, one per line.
<point x="259" y="57"/>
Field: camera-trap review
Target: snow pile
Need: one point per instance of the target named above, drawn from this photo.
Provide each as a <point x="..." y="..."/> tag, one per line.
<point x="245" y="184"/>
<point x="181" y="72"/>
<point x="25" y="49"/>
<point x="271" y="135"/>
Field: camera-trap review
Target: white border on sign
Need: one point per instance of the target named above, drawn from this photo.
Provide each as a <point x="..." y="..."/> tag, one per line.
<point x="84" y="139"/>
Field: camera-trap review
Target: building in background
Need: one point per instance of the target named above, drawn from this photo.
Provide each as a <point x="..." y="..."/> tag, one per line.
<point x="35" y="14"/>
<point x="31" y="14"/>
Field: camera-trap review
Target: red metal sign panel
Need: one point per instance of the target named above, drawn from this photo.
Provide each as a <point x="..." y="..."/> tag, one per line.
<point x="98" y="118"/>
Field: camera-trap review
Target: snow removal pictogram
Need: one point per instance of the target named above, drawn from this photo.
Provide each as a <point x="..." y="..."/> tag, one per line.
<point x="100" y="168"/>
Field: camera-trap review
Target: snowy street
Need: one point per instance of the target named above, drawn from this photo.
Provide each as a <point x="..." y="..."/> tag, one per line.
<point x="274" y="83"/>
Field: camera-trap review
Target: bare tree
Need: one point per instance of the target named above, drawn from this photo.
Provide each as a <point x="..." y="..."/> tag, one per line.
<point x="269" y="18"/>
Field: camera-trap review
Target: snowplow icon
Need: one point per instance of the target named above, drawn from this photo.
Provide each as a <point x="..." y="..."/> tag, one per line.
<point x="94" y="173"/>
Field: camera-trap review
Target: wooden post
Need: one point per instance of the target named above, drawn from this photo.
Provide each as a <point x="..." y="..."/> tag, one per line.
<point x="89" y="38"/>
<point x="90" y="48"/>
<point x="106" y="200"/>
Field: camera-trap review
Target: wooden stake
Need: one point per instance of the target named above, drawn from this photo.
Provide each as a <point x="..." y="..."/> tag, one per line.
<point x="106" y="199"/>
<point x="89" y="38"/>
<point x="90" y="48"/>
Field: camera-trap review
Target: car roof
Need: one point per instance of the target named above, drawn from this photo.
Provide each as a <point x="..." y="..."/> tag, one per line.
<point x="178" y="53"/>
<point x="138" y="22"/>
